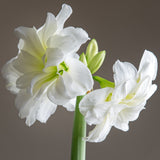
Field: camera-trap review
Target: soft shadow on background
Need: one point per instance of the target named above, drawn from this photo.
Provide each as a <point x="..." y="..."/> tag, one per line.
<point x="124" y="29"/>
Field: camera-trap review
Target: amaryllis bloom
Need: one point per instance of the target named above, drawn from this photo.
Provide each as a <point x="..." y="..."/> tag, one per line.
<point x="118" y="106"/>
<point x="46" y="72"/>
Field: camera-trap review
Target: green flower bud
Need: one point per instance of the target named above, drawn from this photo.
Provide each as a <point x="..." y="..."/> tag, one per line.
<point x="82" y="58"/>
<point x="96" y="61"/>
<point x="92" y="50"/>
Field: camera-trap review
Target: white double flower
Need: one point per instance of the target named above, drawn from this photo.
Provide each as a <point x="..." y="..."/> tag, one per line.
<point x="46" y="72"/>
<point x="117" y="106"/>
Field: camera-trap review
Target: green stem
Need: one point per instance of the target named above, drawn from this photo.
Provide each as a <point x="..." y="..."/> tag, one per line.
<point x="78" y="151"/>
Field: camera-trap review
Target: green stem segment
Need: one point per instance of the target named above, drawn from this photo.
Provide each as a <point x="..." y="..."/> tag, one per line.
<point x="78" y="151"/>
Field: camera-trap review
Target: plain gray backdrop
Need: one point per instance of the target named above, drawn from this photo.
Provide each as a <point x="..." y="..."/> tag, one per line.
<point x="124" y="28"/>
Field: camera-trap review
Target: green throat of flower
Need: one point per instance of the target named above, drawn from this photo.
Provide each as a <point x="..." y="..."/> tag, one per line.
<point x="62" y="67"/>
<point x="51" y="74"/>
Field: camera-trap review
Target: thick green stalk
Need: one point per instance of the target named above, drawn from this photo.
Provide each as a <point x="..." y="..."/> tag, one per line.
<point x="78" y="151"/>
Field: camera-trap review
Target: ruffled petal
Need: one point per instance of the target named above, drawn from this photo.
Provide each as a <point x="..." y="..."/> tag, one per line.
<point x="11" y="75"/>
<point x="143" y="88"/>
<point x="30" y="41"/>
<point x="24" y="81"/>
<point x="34" y="108"/>
<point x="122" y="90"/>
<point x="70" y="106"/>
<point x="148" y="65"/>
<point x="94" y="106"/>
<point x="78" y="36"/>
<point x="65" y="43"/>
<point x="68" y="40"/>
<point x="100" y="132"/>
<point x="128" y="114"/>
<point x="63" y="15"/>
<point x="123" y="71"/>
<point x="48" y="29"/>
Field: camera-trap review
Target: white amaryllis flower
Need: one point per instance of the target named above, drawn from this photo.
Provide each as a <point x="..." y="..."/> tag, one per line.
<point x="117" y="106"/>
<point x="46" y="72"/>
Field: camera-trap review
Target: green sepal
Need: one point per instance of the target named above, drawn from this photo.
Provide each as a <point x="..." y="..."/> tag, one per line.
<point x="82" y="58"/>
<point x="103" y="82"/>
<point x="92" y="50"/>
<point x="96" y="62"/>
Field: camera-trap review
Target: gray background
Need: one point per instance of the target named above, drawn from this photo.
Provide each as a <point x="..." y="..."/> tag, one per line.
<point x="124" y="29"/>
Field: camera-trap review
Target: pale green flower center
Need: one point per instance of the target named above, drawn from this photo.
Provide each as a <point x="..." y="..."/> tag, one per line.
<point x="51" y="73"/>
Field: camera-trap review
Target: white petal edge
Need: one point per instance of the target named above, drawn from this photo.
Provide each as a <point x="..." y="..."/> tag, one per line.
<point x="63" y="15"/>
<point x="70" y="106"/>
<point x="148" y="65"/>
<point x="11" y="75"/>
<point x="100" y="132"/>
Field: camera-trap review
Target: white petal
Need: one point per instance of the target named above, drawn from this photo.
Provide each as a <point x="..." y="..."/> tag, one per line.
<point x="148" y="65"/>
<point x="24" y="81"/>
<point x="143" y="88"/>
<point x="94" y="107"/>
<point x="80" y="74"/>
<point x="153" y="88"/>
<point x="128" y="114"/>
<point x="32" y="107"/>
<point x="41" y="79"/>
<point x="54" y="57"/>
<point x="70" y="84"/>
<point x="72" y="88"/>
<point x="11" y="75"/>
<point x="64" y="89"/>
<point x="63" y="15"/>
<point x="47" y="108"/>
<point x="48" y="29"/>
<point x="57" y="92"/>
<point x="78" y="36"/>
<point x="68" y="40"/>
<point x="122" y="90"/>
<point x="70" y="106"/>
<point x="31" y="41"/>
<point x="123" y="71"/>
<point x="25" y="63"/>
<point x="65" y="43"/>
<point x="122" y="125"/>
<point x="100" y="132"/>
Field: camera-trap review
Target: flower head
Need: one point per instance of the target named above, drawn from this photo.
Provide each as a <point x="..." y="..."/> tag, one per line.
<point x="118" y="106"/>
<point x="46" y="72"/>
